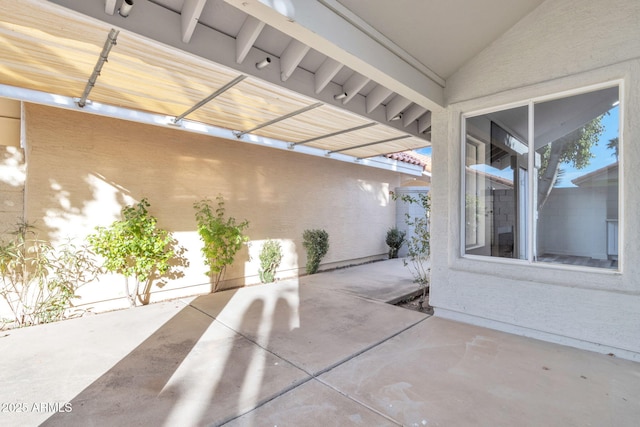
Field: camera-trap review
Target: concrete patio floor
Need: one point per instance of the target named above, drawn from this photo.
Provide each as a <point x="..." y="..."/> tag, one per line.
<point x="318" y="351"/>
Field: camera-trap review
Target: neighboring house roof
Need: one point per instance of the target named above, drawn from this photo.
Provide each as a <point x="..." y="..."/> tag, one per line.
<point x="407" y="157"/>
<point x="413" y="158"/>
<point x="424" y="159"/>
<point x="604" y="173"/>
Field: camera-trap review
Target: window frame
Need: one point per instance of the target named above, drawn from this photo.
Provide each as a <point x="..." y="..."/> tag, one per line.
<point x="531" y="213"/>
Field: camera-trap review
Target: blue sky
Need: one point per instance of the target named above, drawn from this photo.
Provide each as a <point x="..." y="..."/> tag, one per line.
<point x="425" y="151"/>
<point x="603" y="155"/>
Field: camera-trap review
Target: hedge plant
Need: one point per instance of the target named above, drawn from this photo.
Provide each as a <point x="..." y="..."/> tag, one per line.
<point x="270" y="258"/>
<point x="395" y="240"/>
<point x="316" y="242"/>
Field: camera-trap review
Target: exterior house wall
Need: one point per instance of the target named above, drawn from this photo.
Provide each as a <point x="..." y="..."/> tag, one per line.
<point x="82" y="169"/>
<point x="12" y="168"/>
<point x="562" y="45"/>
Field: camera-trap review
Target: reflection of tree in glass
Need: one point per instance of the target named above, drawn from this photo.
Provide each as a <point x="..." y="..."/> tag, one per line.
<point x="613" y="145"/>
<point x="574" y="149"/>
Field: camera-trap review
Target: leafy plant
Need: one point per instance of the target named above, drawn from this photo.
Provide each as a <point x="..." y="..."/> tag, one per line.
<point x="575" y="149"/>
<point x="418" y="244"/>
<point x="316" y="242"/>
<point x="395" y="240"/>
<point x="222" y="238"/>
<point x="270" y="258"/>
<point x="38" y="281"/>
<point x="136" y="246"/>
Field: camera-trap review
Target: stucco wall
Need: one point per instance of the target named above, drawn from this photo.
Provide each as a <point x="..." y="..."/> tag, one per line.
<point x="83" y="168"/>
<point x="563" y="45"/>
<point x="559" y="38"/>
<point x="573" y="221"/>
<point x="12" y="168"/>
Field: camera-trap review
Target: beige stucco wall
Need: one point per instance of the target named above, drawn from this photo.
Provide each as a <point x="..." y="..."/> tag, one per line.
<point x="12" y="167"/>
<point x="563" y="45"/>
<point x="83" y="168"/>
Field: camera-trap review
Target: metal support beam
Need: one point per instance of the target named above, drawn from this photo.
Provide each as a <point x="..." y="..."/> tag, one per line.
<point x="396" y="105"/>
<point x="291" y="57"/>
<point x="104" y="55"/>
<point x="376" y="96"/>
<point x="352" y="86"/>
<point x="325" y="73"/>
<point x="424" y="122"/>
<point x="330" y="135"/>
<point x="110" y="7"/>
<point x="215" y="94"/>
<point x="370" y="144"/>
<point x="328" y="32"/>
<point x="412" y="113"/>
<point x="191" y="11"/>
<point x="279" y="119"/>
<point x="248" y="34"/>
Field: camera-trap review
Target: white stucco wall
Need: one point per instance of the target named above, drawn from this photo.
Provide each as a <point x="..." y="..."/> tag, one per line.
<point x="573" y="221"/>
<point x="561" y="46"/>
<point x="83" y="168"/>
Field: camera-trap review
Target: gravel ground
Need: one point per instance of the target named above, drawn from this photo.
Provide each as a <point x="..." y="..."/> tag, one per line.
<point x="414" y="304"/>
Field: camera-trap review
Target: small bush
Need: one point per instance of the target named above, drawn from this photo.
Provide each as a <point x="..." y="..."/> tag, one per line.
<point x="270" y="257"/>
<point x="316" y="242"/>
<point x="419" y="245"/>
<point x="395" y="240"/>
<point x="135" y="246"/>
<point x="222" y="238"/>
<point x="38" y="281"/>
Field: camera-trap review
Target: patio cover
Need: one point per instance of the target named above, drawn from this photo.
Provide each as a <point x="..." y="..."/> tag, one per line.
<point x="65" y="54"/>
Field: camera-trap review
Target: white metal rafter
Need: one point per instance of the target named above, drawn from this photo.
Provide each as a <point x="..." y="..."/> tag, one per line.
<point x="247" y="36"/>
<point x="291" y="57"/>
<point x="191" y="11"/>
<point x="325" y="73"/>
<point x="352" y="86"/>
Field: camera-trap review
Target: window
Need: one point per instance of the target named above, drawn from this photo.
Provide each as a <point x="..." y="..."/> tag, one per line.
<point x="541" y="181"/>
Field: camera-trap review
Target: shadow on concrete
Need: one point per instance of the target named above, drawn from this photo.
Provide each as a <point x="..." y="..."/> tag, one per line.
<point x="193" y="370"/>
<point x="139" y="389"/>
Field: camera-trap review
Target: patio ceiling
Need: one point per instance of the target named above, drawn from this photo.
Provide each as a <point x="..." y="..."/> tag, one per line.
<point x="195" y="61"/>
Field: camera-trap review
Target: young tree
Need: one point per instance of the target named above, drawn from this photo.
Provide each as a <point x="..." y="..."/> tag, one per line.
<point x="222" y="238"/>
<point x="573" y="148"/>
<point x="419" y="243"/>
<point x="135" y="246"/>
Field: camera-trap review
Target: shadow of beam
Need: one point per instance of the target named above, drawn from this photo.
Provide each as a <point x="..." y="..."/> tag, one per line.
<point x="138" y="389"/>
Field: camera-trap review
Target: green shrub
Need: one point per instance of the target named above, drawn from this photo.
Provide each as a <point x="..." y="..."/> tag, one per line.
<point x="39" y="282"/>
<point x="270" y="257"/>
<point x="316" y="242"/>
<point x="395" y="240"/>
<point x="419" y="248"/>
<point x="135" y="246"/>
<point x="222" y="238"/>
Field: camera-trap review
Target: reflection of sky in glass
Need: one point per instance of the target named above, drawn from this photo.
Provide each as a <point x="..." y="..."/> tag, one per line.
<point x="506" y="173"/>
<point x="603" y="155"/>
